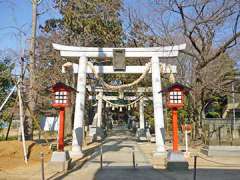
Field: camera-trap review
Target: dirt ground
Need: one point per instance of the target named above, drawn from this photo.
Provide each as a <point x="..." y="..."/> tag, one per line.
<point x="11" y="154"/>
<point x="12" y="165"/>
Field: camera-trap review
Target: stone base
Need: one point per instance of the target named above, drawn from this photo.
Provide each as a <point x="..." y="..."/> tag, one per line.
<point x="142" y="139"/>
<point x="141" y="135"/>
<point x="76" y="154"/>
<point x="96" y="133"/>
<point x="160" y="154"/>
<point x="60" y="161"/>
<point x="176" y="161"/>
<point x="159" y="161"/>
<point x="153" y="140"/>
<point x="221" y="150"/>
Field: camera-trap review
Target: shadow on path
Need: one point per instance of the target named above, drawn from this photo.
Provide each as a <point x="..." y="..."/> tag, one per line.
<point x="148" y="173"/>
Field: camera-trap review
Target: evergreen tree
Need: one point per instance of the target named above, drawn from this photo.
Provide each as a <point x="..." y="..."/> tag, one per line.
<point x="6" y="83"/>
<point x="88" y="23"/>
<point x="81" y="23"/>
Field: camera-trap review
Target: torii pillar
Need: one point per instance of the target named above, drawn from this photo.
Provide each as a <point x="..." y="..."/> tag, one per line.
<point x="78" y="127"/>
<point x="99" y="109"/>
<point x="99" y="130"/>
<point x="157" y="106"/>
<point x="141" y="113"/>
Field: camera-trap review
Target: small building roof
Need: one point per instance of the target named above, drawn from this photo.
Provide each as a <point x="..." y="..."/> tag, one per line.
<point x="175" y="85"/>
<point x="60" y="85"/>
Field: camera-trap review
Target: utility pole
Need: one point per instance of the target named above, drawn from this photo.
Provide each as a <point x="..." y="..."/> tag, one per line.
<point x="32" y="69"/>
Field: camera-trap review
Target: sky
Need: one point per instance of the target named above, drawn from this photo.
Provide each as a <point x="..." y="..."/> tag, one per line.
<point x="15" y="20"/>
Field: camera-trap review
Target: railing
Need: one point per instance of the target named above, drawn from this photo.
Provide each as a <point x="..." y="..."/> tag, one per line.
<point x="218" y="163"/>
<point x="222" y="120"/>
<point x="133" y="157"/>
<point x="42" y="166"/>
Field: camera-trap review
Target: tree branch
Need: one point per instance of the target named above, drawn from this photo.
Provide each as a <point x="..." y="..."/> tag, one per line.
<point x="222" y="49"/>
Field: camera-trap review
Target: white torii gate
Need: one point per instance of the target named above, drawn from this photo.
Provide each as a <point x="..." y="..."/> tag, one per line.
<point x="85" y="52"/>
<point x="110" y="98"/>
<point x="100" y="97"/>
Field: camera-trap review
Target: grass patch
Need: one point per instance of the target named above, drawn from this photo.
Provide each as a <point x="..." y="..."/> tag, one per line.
<point x="10" y="138"/>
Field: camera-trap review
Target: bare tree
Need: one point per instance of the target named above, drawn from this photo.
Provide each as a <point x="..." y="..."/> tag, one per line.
<point x="200" y="21"/>
<point x="210" y="29"/>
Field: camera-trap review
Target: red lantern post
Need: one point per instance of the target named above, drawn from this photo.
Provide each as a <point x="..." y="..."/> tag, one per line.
<point x="61" y="99"/>
<point x="61" y="130"/>
<point x="175" y="129"/>
<point x="175" y="101"/>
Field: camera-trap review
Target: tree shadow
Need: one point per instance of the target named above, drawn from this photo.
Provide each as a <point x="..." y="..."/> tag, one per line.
<point x="148" y="173"/>
<point x="30" y="149"/>
<point x="76" y="165"/>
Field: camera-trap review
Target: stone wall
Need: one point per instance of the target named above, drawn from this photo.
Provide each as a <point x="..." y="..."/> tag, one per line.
<point x="221" y="131"/>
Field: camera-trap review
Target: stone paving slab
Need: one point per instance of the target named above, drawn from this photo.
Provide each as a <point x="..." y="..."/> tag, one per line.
<point x="117" y="164"/>
<point x="117" y="152"/>
<point x="148" y="173"/>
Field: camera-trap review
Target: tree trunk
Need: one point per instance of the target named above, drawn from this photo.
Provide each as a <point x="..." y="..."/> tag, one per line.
<point x="69" y="115"/>
<point x="32" y="93"/>
<point x="68" y="121"/>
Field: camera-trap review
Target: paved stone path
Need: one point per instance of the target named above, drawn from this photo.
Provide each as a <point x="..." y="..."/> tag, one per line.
<point x="118" y="164"/>
<point x="117" y="152"/>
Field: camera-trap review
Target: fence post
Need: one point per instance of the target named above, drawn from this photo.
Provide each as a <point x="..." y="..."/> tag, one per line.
<point x="101" y="157"/>
<point x="219" y="135"/>
<point x="195" y="168"/>
<point x="42" y="165"/>
<point x="133" y="157"/>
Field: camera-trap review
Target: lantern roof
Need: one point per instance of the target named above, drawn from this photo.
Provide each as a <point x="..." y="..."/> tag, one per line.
<point x="182" y="87"/>
<point x="59" y="85"/>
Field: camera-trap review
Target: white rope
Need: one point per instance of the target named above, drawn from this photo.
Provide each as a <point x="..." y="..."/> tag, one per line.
<point x="123" y="105"/>
<point x="123" y="86"/>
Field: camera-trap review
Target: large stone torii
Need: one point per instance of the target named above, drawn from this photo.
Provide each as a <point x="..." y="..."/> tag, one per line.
<point x="85" y="52"/>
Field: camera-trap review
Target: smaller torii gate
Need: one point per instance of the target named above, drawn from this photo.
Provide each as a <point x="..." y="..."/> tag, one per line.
<point x="154" y="53"/>
<point x="100" y="97"/>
